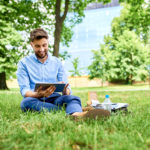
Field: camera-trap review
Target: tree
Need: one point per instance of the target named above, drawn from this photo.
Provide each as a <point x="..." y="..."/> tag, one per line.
<point x="125" y="62"/>
<point x="125" y="51"/>
<point x="23" y="15"/>
<point x="8" y="57"/>
<point x="131" y="57"/>
<point x="60" y="8"/>
<point x="15" y="16"/>
<point x="76" y="71"/>
<point x="135" y="16"/>
<point x="98" y="68"/>
<point x="63" y="24"/>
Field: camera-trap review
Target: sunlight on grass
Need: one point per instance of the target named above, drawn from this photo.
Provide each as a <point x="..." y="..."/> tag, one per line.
<point x="45" y="130"/>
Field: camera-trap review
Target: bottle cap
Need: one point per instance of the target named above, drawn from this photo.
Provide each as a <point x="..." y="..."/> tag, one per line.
<point x="106" y="96"/>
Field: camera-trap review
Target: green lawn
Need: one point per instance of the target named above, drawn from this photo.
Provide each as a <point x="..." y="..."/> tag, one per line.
<point x="40" y="131"/>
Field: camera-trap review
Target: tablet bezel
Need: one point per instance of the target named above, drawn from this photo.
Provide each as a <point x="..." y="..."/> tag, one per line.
<point x="59" y="86"/>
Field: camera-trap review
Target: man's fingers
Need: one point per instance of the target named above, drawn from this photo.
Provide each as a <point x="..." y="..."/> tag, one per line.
<point x="39" y="89"/>
<point x="49" y="88"/>
<point x="49" y="91"/>
<point x="52" y="89"/>
<point x="66" y="86"/>
<point x="65" y="89"/>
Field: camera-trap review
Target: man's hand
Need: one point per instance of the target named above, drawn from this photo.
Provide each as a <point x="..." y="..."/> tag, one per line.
<point x="66" y="91"/>
<point x="45" y="93"/>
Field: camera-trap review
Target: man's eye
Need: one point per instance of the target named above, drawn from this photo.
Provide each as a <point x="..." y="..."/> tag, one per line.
<point x="37" y="46"/>
<point x="44" y="45"/>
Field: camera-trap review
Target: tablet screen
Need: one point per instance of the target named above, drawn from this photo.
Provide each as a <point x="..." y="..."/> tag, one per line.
<point x="59" y="86"/>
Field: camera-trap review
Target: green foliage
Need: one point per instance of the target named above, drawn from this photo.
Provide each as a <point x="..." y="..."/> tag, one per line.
<point x="23" y="14"/>
<point x="98" y="67"/>
<point x="77" y="9"/>
<point x="76" y="71"/>
<point x="123" y="59"/>
<point x="130" y="57"/>
<point x="67" y="34"/>
<point x="64" y="55"/>
<point x="134" y="17"/>
<point x="16" y="16"/>
<point x="9" y="45"/>
<point x="124" y="52"/>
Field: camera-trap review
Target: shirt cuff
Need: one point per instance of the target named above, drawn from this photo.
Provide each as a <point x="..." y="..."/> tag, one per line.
<point x="23" y="92"/>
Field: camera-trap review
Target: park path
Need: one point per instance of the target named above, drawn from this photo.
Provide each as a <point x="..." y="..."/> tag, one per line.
<point x="101" y="90"/>
<point x="146" y="89"/>
<point x="112" y="90"/>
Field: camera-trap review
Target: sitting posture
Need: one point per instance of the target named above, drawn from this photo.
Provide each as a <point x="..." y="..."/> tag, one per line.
<point x="42" y="67"/>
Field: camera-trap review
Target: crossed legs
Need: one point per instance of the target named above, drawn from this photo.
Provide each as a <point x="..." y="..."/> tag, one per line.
<point x="52" y="103"/>
<point x="55" y="103"/>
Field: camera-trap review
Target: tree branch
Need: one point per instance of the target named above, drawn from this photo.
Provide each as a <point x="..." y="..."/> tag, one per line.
<point x="57" y="9"/>
<point x="66" y="10"/>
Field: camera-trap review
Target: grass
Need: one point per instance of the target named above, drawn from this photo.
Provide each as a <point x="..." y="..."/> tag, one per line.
<point x="114" y="88"/>
<point x="55" y="131"/>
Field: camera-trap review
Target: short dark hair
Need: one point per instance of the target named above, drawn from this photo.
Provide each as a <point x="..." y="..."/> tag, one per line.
<point x="38" y="34"/>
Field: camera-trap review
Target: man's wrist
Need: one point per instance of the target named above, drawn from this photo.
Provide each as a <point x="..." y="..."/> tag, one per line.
<point x="32" y="94"/>
<point x="36" y="95"/>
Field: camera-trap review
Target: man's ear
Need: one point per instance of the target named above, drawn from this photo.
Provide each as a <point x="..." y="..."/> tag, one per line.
<point x="31" y="44"/>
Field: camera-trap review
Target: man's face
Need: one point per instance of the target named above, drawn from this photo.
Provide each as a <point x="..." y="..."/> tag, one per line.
<point x="40" y="47"/>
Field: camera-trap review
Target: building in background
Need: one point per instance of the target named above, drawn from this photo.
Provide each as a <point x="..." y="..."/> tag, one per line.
<point x="89" y="34"/>
<point x="101" y="5"/>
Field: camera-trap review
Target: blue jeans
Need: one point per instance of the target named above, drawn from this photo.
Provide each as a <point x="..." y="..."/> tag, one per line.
<point x="52" y="103"/>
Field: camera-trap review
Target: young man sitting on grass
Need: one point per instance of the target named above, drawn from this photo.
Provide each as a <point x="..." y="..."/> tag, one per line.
<point x="42" y="67"/>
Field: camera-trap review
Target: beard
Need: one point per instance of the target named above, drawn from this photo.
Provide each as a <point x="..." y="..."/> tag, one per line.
<point x="41" y="55"/>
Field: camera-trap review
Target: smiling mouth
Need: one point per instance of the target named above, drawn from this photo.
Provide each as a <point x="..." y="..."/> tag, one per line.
<point x="41" y="55"/>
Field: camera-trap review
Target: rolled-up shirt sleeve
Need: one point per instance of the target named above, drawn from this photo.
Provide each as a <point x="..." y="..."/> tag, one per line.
<point x="23" y="79"/>
<point x="62" y="76"/>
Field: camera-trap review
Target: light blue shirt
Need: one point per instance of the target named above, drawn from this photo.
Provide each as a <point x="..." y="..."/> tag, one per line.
<point x="31" y="71"/>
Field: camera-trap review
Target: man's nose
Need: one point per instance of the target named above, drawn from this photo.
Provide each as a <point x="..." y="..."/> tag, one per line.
<point x="42" y="49"/>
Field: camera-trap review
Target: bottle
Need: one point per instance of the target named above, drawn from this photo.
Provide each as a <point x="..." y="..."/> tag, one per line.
<point x="107" y="99"/>
<point x="107" y="103"/>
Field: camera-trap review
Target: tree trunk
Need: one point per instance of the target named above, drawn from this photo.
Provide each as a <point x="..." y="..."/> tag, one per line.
<point x="3" y="85"/>
<point x="58" y="25"/>
<point x="131" y="80"/>
<point x="127" y="80"/>
<point x="57" y="36"/>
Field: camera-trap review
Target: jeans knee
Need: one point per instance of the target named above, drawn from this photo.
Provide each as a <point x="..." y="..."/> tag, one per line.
<point x="71" y="98"/>
<point x="26" y="102"/>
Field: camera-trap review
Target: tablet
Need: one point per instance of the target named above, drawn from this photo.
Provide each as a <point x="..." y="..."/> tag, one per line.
<point x="59" y="86"/>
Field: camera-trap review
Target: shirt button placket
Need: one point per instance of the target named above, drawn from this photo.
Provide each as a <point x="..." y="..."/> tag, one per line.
<point x="42" y="72"/>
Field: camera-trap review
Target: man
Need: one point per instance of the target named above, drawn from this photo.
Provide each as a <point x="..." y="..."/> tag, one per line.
<point x="42" y="67"/>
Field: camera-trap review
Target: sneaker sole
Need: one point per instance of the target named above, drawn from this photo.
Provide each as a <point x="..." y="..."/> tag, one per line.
<point x="96" y="114"/>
